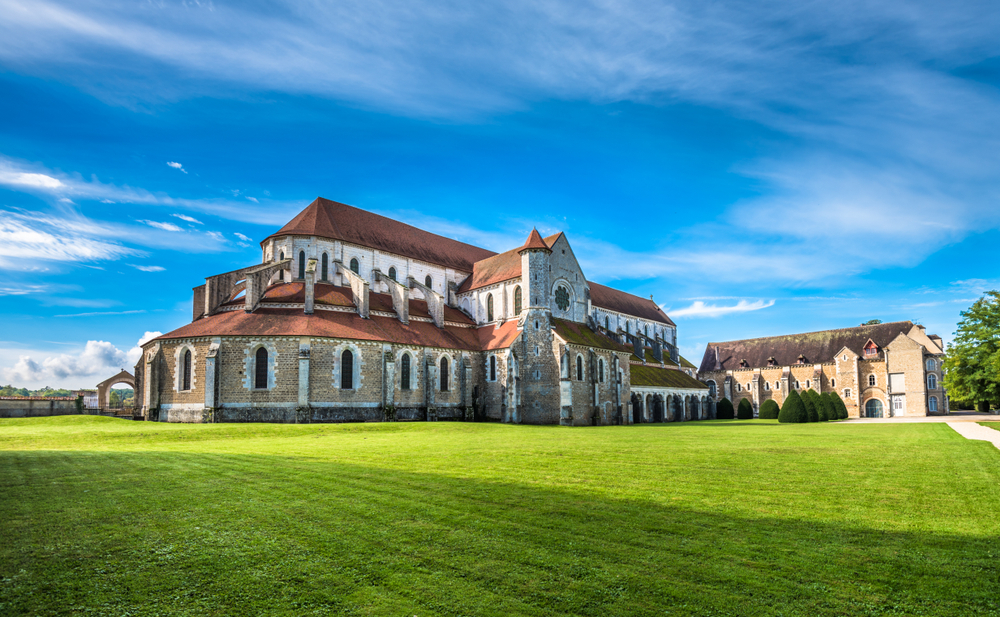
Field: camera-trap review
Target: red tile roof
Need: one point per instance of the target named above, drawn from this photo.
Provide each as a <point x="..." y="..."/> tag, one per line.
<point x="499" y="268"/>
<point x="605" y="297"/>
<point x="334" y="220"/>
<point x="332" y="324"/>
<point x="491" y="337"/>
<point x="535" y="241"/>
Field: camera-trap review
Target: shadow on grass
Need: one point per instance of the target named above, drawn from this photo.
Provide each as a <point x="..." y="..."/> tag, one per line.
<point x="157" y="532"/>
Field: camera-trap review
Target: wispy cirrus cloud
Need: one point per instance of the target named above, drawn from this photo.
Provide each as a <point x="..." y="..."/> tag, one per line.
<point x="701" y="309"/>
<point x="160" y="225"/>
<point x="29" y="236"/>
<point x="176" y="165"/>
<point x="148" y="268"/>
<point x="189" y="219"/>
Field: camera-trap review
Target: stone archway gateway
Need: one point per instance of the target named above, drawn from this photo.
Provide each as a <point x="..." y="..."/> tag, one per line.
<point x="104" y="388"/>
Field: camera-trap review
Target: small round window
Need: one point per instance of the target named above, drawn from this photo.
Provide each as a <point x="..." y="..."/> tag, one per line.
<point x="562" y="298"/>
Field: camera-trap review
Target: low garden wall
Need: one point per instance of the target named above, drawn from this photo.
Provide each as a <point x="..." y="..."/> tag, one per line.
<point x="36" y="406"/>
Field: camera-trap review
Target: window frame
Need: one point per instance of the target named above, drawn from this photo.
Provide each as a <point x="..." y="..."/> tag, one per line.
<point x="258" y="368"/>
<point x="405" y="369"/>
<point x="347" y="376"/>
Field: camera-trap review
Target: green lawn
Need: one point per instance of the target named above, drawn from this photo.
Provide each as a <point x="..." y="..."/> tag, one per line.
<point x="110" y="517"/>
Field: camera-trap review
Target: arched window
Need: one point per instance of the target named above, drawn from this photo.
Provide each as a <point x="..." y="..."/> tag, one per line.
<point x="579" y="368"/>
<point x="711" y="388"/>
<point x="627" y="328"/>
<point x="871" y="380"/>
<point x="493" y="368"/>
<point x="355" y="266"/>
<point x="489" y="307"/>
<point x="798" y="386"/>
<point x="930" y="364"/>
<point x="428" y="282"/>
<point x="444" y="374"/>
<point x="347" y="370"/>
<point x="260" y="369"/>
<point x="325" y="269"/>
<point x="517" y="301"/>
<point x="932" y="381"/>
<point x="739" y="388"/>
<point x="302" y="264"/>
<point x="873" y="408"/>
<point x="187" y="370"/>
<point x="607" y="323"/>
<point x="404" y="372"/>
<point x="833" y="383"/>
<point x="281" y="273"/>
<point x="767" y="385"/>
<point x="932" y="404"/>
<point x="392" y="273"/>
<point x="808" y="384"/>
<point x="647" y="331"/>
<point x="600" y="370"/>
<point x="777" y="385"/>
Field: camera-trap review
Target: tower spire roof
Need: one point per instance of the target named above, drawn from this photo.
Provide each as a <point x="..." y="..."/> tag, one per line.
<point x="535" y="242"/>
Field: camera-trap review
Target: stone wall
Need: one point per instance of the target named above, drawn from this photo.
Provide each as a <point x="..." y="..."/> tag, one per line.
<point x="37" y="406"/>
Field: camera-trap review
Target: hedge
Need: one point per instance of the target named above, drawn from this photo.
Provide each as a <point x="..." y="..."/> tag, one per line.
<point x="839" y="404"/>
<point x="793" y="410"/>
<point x="818" y="403"/>
<point x="724" y="410"/>
<point x="769" y="410"/>
<point x="832" y="413"/>
<point x="745" y="411"/>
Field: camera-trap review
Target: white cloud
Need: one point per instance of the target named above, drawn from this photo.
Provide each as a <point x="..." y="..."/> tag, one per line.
<point x="95" y="362"/>
<point x="163" y="226"/>
<point x="22" y="290"/>
<point x="189" y="219"/>
<point x="177" y="166"/>
<point x="101" y="313"/>
<point x="216" y="235"/>
<point x="73" y="185"/>
<point x="700" y="309"/>
<point x="28" y="236"/>
<point x="148" y="268"/>
<point x="253" y="199"/>
<point x="242" y="237"/>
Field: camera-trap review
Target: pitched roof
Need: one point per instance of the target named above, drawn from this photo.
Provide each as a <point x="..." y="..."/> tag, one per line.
<point x="499" y="268"/>
<point x="606" y="297"/>
<point x="816" y="347"/>
<point x="491" y="337"/>
<point x="580" y="334"/>
<point x="337" y="221"/>
<point x="654" y="376"/>
<point x="535" y="241"/>
<point x="332" y="324"/>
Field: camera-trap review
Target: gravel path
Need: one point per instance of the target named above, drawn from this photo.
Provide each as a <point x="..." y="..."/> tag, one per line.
<point x="971" y="430"/>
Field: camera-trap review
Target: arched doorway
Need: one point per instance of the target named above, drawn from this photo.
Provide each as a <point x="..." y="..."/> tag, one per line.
<point x="694" y="408"/>
<point x="873" y="408"/>
<point x="636" y="408"/>
<point x="119" y="400"/>
<point x="678" y="408"/>
<point x="647" y="415"/>
<point x="657" y="408"/>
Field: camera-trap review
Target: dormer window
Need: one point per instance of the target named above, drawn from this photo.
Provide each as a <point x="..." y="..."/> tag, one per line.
<point x="772" y="362"/>
<point x="744" y="364"/>
<point x="801" y="359"/>
<point x="871" y="349"/>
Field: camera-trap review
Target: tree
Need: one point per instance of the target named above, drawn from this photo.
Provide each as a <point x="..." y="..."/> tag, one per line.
<point x="745" y="411"/>
<point x="768" y="410"/>
<point x="872" y="322"/>
<point x="792" y="410"/>
<point x="972" y="368"/>
<point x="832" y="413"/>
<point x="818" y="404"/>
<point x="811" y="414"/>
<point x="724" y="410"/>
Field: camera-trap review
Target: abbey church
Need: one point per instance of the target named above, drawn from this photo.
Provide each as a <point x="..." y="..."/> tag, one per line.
<point x="351" y="316"/>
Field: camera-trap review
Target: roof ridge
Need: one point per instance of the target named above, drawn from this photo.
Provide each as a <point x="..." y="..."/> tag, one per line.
<point x="760" y="338"/>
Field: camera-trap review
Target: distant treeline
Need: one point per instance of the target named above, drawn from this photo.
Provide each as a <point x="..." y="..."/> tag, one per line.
<point x="10" y="390"/>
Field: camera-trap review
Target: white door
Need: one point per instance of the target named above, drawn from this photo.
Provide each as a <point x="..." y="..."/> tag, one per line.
<point x="898" y="405"/>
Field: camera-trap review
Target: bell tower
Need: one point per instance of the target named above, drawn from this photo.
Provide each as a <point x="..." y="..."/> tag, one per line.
<point x="538" y="365"/>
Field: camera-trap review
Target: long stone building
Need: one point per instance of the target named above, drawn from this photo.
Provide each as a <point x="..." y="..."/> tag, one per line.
<point x="351" y="316"/>
<point x="879" y="370"/>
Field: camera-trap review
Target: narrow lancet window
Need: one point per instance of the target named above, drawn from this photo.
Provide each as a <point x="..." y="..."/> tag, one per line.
<point x="347" y="370"/>
<point x="260" y="369"/>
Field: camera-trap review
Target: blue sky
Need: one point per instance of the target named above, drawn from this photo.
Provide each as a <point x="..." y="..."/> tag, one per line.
<point x="758" y="167"/>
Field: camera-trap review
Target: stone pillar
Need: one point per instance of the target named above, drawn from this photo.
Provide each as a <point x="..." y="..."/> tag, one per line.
<point x="302" y="410"/>
<point x="211" y="380"/>
<point x="466" y="372"/>
<point x="310" y="286"/>
<point x="430" y="390"/>
<point x="388" y="384"/>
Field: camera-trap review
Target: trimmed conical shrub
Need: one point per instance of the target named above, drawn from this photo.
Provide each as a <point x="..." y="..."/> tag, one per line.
<point x="812" y="414"/>
<point x="832" y="413"/>
<point x="769" y="410"/>
<point x="745" y="410"/>
<point x="724" y="410"/>
<point x="818" y="404"/>
<point x="792" y="410"/>
<point x="842" y="407"/>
